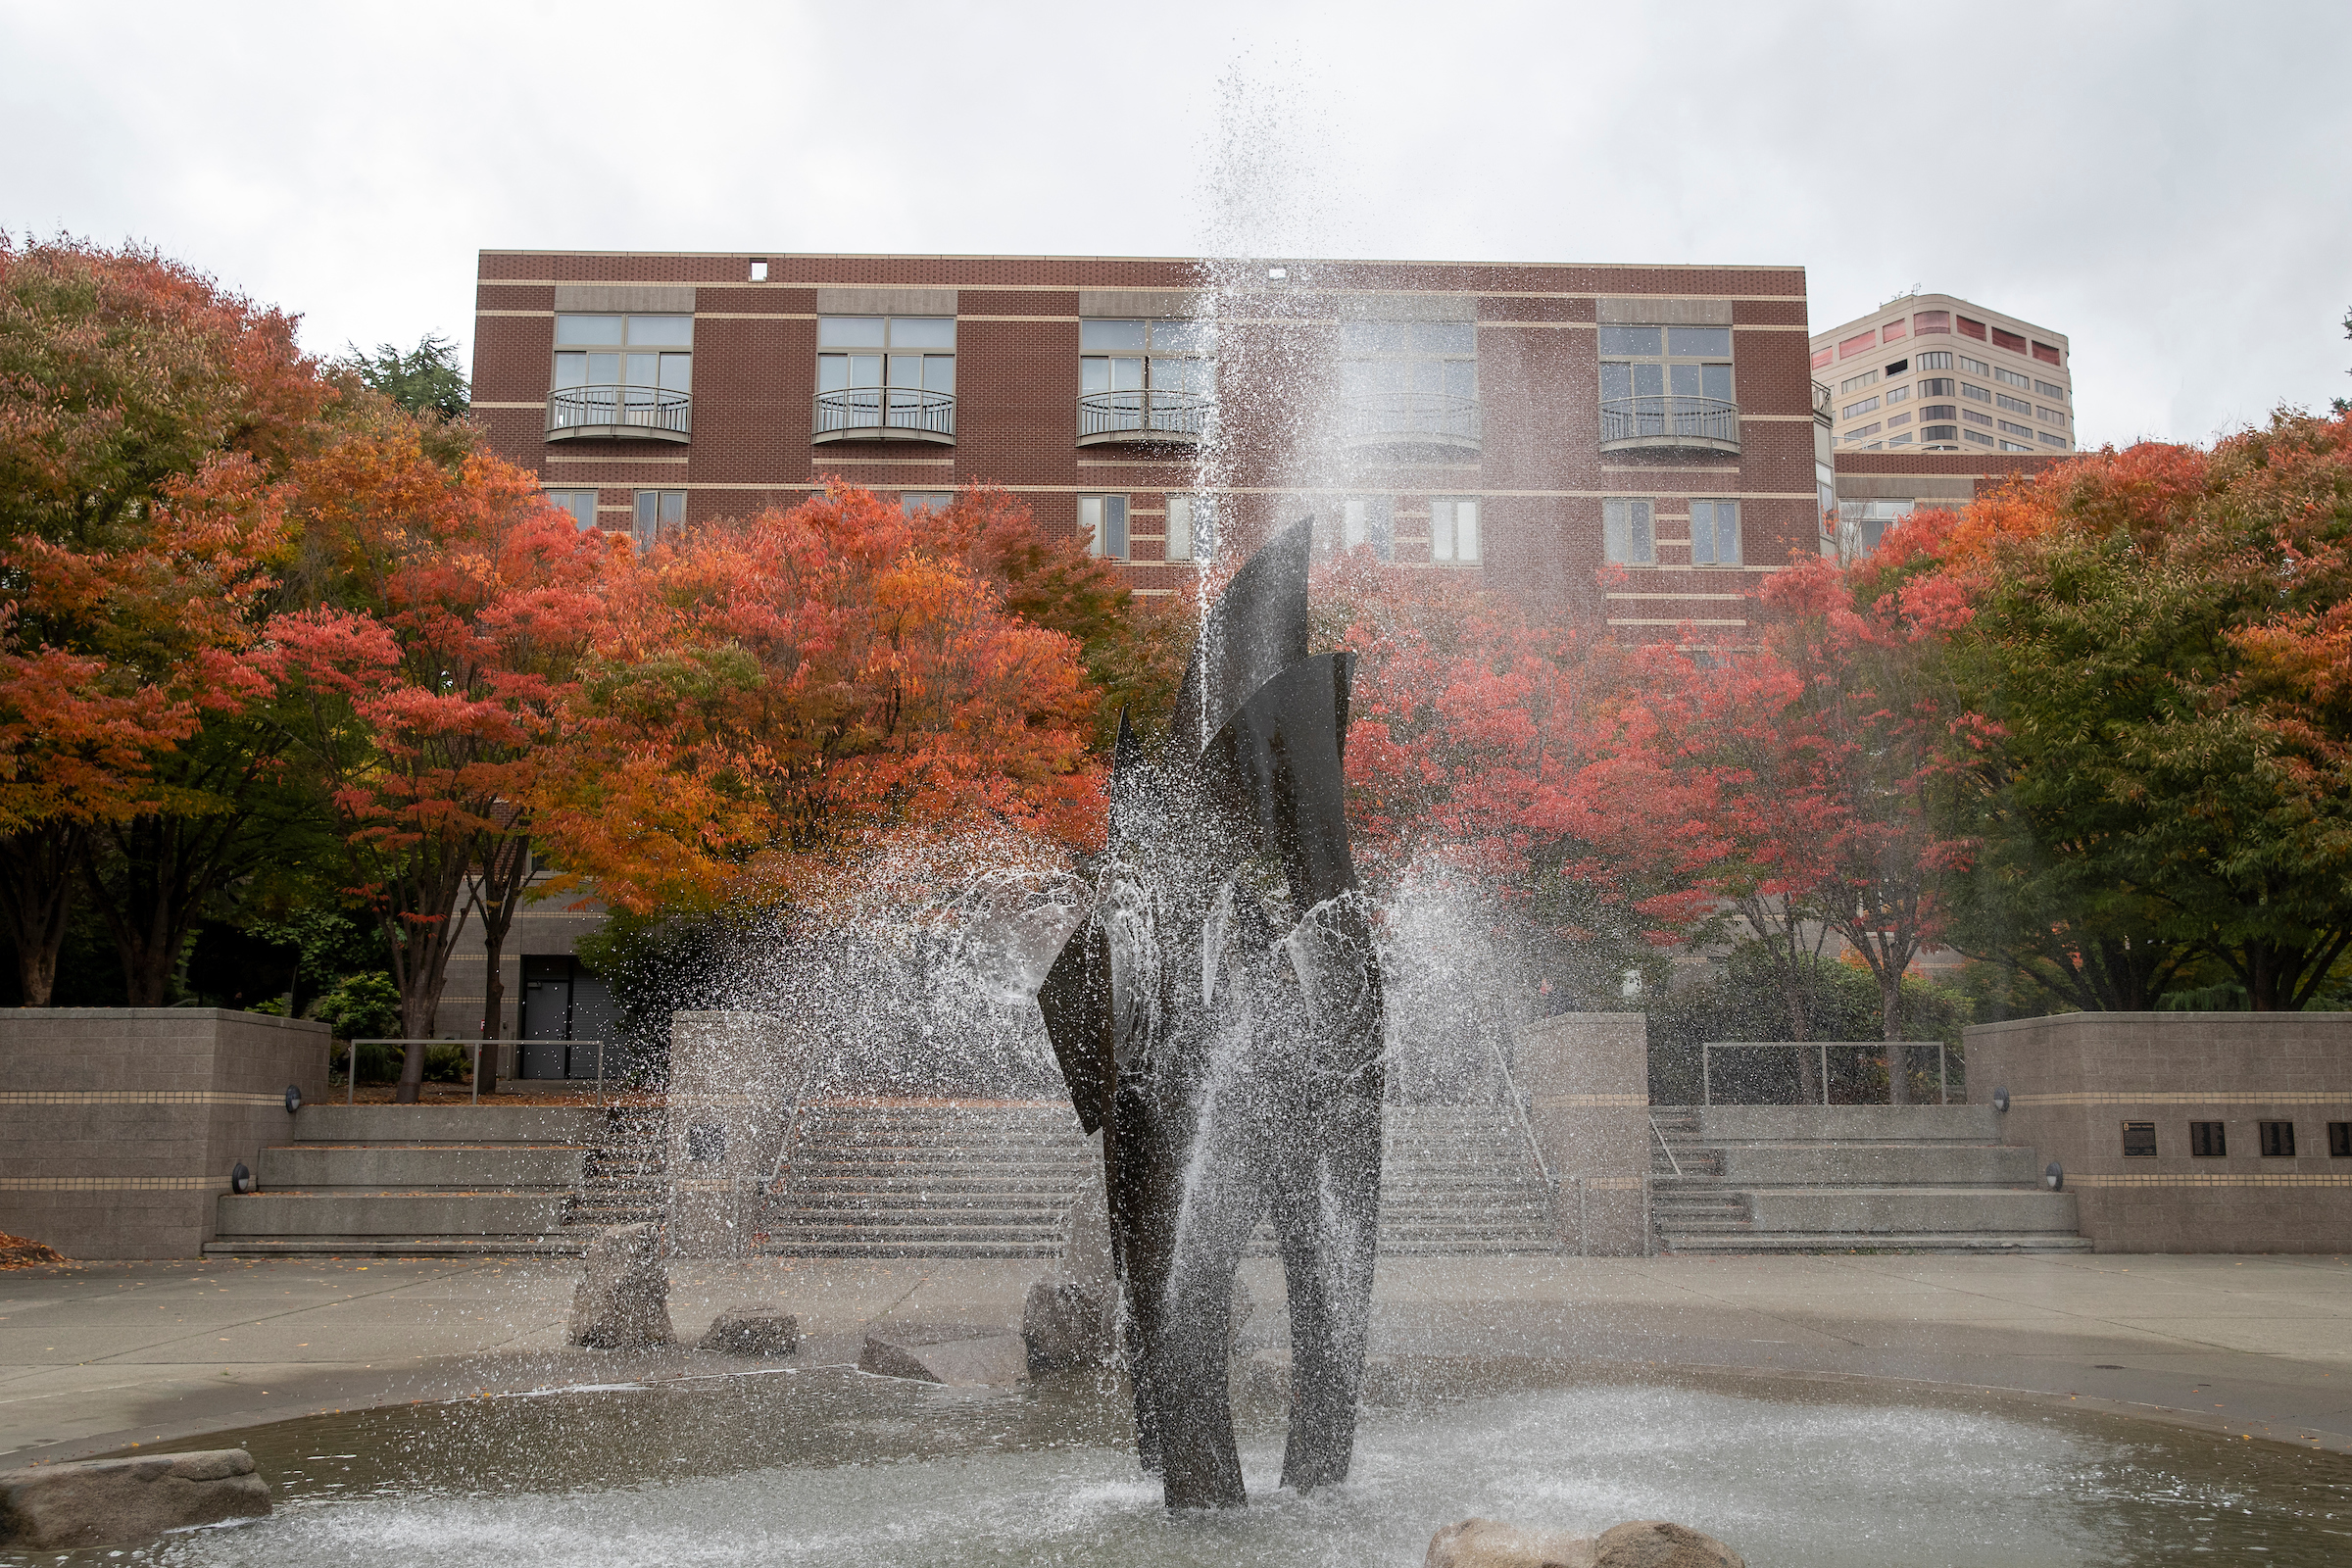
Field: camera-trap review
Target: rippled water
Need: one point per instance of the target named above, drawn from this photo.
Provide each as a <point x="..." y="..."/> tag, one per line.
<point x="828" y="1465"/>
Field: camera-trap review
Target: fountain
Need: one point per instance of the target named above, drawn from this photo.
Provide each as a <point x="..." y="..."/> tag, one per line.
<point x="1219" y="1016"/>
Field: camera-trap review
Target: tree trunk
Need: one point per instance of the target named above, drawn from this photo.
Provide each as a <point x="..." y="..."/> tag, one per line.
<point x="37" y="896"/>
<point x="1890" y="1021"/>
<point x="497" y="894"/>
<point x="421" y="964"/>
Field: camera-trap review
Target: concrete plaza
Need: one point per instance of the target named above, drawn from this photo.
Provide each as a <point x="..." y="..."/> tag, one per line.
<point x="102" y="1355"/>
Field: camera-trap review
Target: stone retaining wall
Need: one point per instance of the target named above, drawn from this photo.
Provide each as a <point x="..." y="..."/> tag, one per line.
<point x="1585" y="1077"/>
<point x="118" y="1126"/>
<point x="2077" y="1081"/>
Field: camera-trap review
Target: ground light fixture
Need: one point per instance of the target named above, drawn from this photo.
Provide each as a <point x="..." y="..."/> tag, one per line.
<point x="293" y="1099"/>
<point x="240" y="1178"/>
<point x="2053" y="1176"/>
<point x="2001" y="1098"/>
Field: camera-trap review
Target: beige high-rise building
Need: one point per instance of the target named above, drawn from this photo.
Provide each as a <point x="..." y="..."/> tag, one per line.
<point x="1932" y="372"/>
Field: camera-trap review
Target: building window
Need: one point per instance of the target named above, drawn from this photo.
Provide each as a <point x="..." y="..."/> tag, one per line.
<point x="2048" y="353"/>
<point x="1855" y="411"/>
<point x="1667" y="362"/>
<point x="581" y="504"/>
<point x="1969" y="389"/>
<point x="1150" y="375"/>
<point x="1867" y="522"/>
<point x="1628" y="536"/>
<point x="1855" y="383"/>
<point x="2015" y="446"/>
<point x="758" y="270"/>
<point x="623" y="369"/>
<point x="1932" y="322"/>
<point x="2051" y="416"/>
<point x="2339" y="1140"/>
<point x="1715" y="533"/>
<point x="1973" y="417"/>
<point x="2012" y="377"/>
<point x="659" y="512"/>
<point x="1935" y="386"/>
<point x="2049" y="440"/>
<point x="1941" y="411"/>
<point x="911" y="501"/>
<point x="1975" y="366"/>
<point x="1978" y="437"/>
<point x="1453" y="532"/>
<point x="1104" y="522"/>
<point x="1863" y="434"/>
<point x="1940" y="432"/>
<point x="1902" y="440"/>
<point x="1892" y="330"/>
<point x="2011" y="341"/>
<point x="1821" y="359"/>
<point x="1369" y="520"/>
<point x="1846" y="350"/>
<point x="1191" y="528"/>
<point x="2208" y="1140"/>
<point x="1941" y="359"/>
<point x="886" y="371"/>
<point x="1969" y="328"/>
<point x="2007" y="429"/>
<point x="2013" y="405"/>
<point x="2050" y="389"/>
<point x="2278" y="1139"/>
<point x="1894" y="419"/>
<point x="1898" y="393"/>
<point x="1411" y="379"/>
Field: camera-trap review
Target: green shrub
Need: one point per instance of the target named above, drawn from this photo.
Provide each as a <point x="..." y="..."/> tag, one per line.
<point x="448" y="1064"/>
<point x="361" y="1006"/>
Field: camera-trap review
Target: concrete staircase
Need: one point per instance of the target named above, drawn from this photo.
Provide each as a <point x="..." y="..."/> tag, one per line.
<point x="942" y="1179"/>
<point x="1846" y="1178"/>
<point x="444" y="1181"/>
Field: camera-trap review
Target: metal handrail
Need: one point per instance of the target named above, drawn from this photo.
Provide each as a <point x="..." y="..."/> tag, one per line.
<point x="885" y="408"/>
<point x="574" y="407"/>
<point x="1710" y="419"/>
<point x="1673" y="1164"/>
<point x="1410" y="415"/>
<point x="1527" y="1131"/>
<point x="1144" y="411"/>
<point x="1707" y="1048"/>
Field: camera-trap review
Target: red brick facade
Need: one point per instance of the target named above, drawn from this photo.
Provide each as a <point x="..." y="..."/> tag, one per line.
<point x="1537" y="471"/>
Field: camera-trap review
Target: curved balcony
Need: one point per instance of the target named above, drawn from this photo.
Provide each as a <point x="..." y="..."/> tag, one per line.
<point x="1163" y="419"/>
<point x="619" y="413"/>
<point x="885" y="413"/>
<point x="1670" y="423"/>
<point x="1442" y="421"/>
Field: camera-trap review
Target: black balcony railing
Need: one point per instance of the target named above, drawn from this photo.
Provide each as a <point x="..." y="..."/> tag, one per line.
<point x="1143" y="416"/>
<point x="886" y="410"/>
<point x="1443" y="419"/>
<point x="619" y="411"/>
<point x="1709" y="423"/>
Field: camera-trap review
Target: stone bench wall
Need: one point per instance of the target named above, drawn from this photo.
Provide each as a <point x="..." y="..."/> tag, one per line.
<point x="118" y="1126"/>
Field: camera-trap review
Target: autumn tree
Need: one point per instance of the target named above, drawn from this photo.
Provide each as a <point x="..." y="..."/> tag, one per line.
<point x="145" y="417"/>
<point x="433" y="698"/>
<point x="770" y="698"/>
<point x="2156" y="640"/>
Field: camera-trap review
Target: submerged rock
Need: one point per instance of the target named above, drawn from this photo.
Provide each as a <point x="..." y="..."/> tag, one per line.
<point x="1657" y="1544"/>
<point x="120" y="1502"/>
<point x="623" y="1300"/>
<point x="754" y="1331"/>
<point x="1491" y="1544"/>
<point x="958" y="1354"/>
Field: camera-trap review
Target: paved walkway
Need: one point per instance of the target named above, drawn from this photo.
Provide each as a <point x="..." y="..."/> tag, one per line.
<point x="100" y="1355"/>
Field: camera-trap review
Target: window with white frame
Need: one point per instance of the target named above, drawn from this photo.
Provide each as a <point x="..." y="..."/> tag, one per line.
<point x="1939" y="360"/>
<point x="886" y="371"/>
<point x="1410" y="377"/>
<point x="622" y="369"/>
<point x="911" y="501"/>
<point x="1104" y="522"/>
<point x="1678" y="362"/>
<point x="1368" y="521"/>
<point x="1453" y="531"/>
<point x="1863" y="523"/>
<point x="2050" y="389"/>
<point x="1715" y="533"/>
<point x="1629" y="536"/>
<point x="581" y="504"/>
<point x="1191" y="528"/>
<point x="1975" y="366"/>
<point x="1145" y="374"/>
<point x="659" y="513"/>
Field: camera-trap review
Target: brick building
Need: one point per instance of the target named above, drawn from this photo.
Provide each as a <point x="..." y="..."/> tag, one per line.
<point x="1526" y="423"/>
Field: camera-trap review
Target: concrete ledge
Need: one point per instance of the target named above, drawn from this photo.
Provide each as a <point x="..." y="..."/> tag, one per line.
<point x="1847" y="1124"/>
<point x="349" y="1214"/>
<point x="447" y="1124"/>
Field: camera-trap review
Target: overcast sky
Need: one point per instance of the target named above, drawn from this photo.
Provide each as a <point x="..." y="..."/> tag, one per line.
<point x="2164" y="183"/>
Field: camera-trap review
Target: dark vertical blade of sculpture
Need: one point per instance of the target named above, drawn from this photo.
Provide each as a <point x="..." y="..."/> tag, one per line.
<point x="1219" y="1016"/>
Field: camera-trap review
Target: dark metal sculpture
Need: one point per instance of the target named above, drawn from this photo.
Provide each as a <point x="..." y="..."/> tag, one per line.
<point x="1219" y="1013"/>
